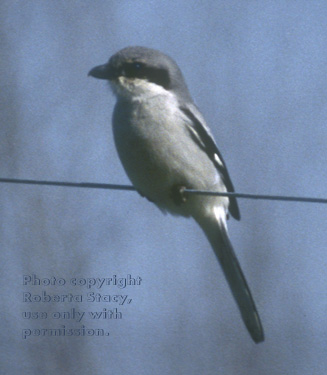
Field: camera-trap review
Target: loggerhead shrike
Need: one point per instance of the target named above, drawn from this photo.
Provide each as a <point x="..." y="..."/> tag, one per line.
<point x="165" y="146"/>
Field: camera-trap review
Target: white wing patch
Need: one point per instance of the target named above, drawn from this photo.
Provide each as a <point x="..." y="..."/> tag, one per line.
<point x="218" y="160"/>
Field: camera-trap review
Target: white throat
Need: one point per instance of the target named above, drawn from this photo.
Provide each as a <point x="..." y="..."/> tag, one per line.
<point x="137" y="89"/>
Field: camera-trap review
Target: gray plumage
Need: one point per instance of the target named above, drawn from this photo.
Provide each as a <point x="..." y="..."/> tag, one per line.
<point x="165" y="145"/>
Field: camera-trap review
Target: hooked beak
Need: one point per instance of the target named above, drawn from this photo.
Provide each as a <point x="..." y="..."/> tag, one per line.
<point x="102" y="72"/>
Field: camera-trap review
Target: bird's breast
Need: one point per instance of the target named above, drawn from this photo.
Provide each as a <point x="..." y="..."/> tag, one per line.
<point x="156" y="150"/>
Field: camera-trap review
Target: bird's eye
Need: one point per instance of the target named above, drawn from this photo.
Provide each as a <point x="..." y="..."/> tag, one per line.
<point x="133" y="70"/>
<point x="136" y="69"/>
<point x="137" y="66"/>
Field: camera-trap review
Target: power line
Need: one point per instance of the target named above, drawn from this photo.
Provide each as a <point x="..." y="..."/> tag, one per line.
<point x="260" y="196"/>
<point x="89" y="185"/>
<point x="93" y="185"/>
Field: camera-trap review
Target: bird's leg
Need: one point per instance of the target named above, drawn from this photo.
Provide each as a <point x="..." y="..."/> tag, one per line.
<point x="177" y="194"/>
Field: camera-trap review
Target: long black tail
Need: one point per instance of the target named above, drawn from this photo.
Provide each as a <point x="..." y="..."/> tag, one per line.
<point x="216" y="233"/>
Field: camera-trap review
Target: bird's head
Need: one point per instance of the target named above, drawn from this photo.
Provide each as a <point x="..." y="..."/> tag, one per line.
<point x="138" y="71"/>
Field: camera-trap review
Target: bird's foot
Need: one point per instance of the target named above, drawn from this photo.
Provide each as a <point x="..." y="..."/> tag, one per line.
<point x="177" y="194"/>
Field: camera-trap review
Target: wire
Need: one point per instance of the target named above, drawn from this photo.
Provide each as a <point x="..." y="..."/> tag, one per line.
<point x="92" y="185"/>
<point x="260" y="196"/>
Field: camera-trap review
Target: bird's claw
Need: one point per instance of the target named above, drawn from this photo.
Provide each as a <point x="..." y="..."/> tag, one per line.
<point x="177" y="194"/>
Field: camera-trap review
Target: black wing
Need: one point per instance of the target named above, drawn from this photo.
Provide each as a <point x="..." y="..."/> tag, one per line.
<point x="202" y="135"/>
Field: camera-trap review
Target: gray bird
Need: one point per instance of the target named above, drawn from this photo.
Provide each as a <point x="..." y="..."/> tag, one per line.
<point x="165" y="146"/>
